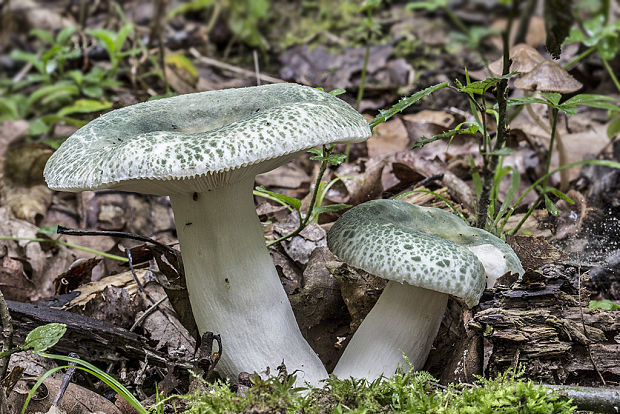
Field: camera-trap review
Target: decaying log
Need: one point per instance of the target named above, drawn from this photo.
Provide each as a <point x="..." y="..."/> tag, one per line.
<point x="544" y="324"/>
<point x="94" y="340"/>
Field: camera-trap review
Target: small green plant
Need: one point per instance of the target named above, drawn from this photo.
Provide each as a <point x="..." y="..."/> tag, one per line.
<point x="114" y="43"/>
<point x="327" y="157"/>
<point x="53" y="94"/>
<point x="50" y="62"/>
<point x="243" y="17"/>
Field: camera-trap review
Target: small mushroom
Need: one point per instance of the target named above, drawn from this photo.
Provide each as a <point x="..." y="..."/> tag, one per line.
<point x="204" y="150"/>
<point x="426" y="254"/>
<point x="524" y="59"/>
<point x="548" y="76"/>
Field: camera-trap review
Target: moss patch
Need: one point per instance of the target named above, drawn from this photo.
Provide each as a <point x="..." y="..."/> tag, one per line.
<point x="405" y="392"/>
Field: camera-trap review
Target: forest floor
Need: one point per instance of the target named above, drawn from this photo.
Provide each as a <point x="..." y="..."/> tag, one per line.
<point x="63" y="63"/>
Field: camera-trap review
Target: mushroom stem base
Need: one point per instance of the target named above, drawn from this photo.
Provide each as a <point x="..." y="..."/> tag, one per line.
<point x="234" y="288"/>
<point x="405" y="320"/>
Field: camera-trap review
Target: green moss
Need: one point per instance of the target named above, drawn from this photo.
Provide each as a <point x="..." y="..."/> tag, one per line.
<point x="405" y="392"/>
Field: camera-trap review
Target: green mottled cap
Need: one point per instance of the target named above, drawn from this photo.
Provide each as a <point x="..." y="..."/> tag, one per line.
<point x="201" y="141"/>
<point x="385" y="238"/>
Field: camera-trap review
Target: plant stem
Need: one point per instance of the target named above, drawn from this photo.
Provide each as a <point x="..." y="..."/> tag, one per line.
<point x="490" y="162"/>
<point x="554" y="122"/>
<point x="70" y="245"/>
<point x="578" y="58"/>
<point x="455" y="19"/>
<point x="611" y="73"/>
<point x="303" y="222"/>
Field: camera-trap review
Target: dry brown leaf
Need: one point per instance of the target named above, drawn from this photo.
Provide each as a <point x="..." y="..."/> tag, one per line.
<point x="387" y="138"/>
<point x="90" y="290"/>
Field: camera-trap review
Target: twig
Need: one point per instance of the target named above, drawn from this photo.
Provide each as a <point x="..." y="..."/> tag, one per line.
<point x="65" y="380"/>
<point x="147" y="312"/>
<point x="155" y="304"/>
<point x="585" y="331"/>
<point x="121" y="234"/>
<point x="256" y="67"/>
<point x="7" y="343"/>
<point x="236" y="69"/>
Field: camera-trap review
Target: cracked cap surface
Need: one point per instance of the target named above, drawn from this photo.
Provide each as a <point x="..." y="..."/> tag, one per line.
<point x="201" y="141"/>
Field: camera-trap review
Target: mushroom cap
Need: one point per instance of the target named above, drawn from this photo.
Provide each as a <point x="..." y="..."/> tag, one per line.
<point x="524" y="59"/>
<point x="391" y="239"/>
<point x="201" y="141"/>
<point x="548" y="76"/>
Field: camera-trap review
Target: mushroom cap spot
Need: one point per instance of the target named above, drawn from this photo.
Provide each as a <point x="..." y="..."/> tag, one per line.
<point x="398" y="231"/>
<point x="206" y="139"/>
<point x="548" y="76"/>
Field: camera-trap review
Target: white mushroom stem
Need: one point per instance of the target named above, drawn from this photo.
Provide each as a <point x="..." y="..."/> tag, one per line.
<point x="234" y="288"/>
<point x="405" y="320"/>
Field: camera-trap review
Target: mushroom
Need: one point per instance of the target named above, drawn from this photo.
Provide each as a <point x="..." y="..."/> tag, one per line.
<point x="524" y="58"/>
<point x="204" y="150"/>
<point x="548" y="76"/>
<point x="426" y="254"/>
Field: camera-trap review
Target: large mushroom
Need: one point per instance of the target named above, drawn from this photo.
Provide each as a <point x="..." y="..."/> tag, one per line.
<point x="204" y="150"/>
<point x="426" y="254"/>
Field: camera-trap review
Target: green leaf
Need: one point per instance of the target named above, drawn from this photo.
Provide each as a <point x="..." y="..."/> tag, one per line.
<point x="525" y="101"/>
<point x="551" y="207"/>
<point x="34" y="60"/>
<point x="291" y="201"/>
<point x="65" y="34"/>
<point x="603" y="304"/>
<point x="44" y="337"/>
<point x="182" y="62"/>
<point x="613" y="128"/>
<point x="558" y="21"/>
<point x="84" y="106"/>
<point x="50" y="92"/>
<point x="552" y="97"/>
<point x="480" y="87"/>
<point x="38" y="126"/>
<point x="471" y="129"/>
<point x="591" y="100"/>
<point x="405" y="103"/>
<point x="337" y="92"/>
<point x="431" y="5"/>
<point x="49" y="230"/>
<point x="559" y="194"/>
<point x="515" y="182"/>
<point x="43" y="35"/>
<point x="105" y="39"/>
<point x="502" y="152"/>
<point x="125" y="31"/>
<point x="190" y="6"/>
<point x="92" y="91"/>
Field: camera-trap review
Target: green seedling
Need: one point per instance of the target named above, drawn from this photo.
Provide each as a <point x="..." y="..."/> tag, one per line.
<point x="51" y="62"/>
<point x="114" y="43"/>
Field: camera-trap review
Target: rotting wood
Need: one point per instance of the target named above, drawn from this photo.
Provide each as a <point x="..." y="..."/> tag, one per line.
<point x="94" y="340"/>
<point x="539" y="325"/>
